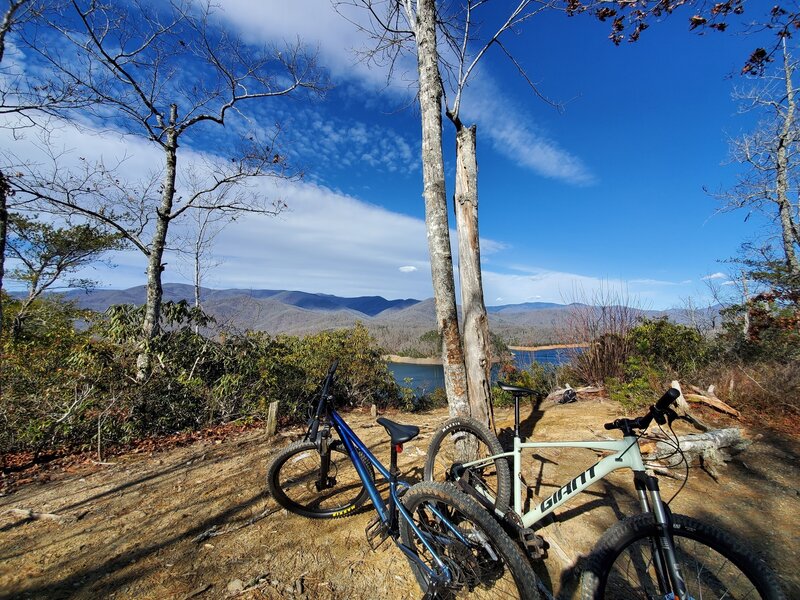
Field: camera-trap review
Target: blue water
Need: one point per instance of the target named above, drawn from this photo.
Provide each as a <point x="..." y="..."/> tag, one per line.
<point x="426" y="378"/>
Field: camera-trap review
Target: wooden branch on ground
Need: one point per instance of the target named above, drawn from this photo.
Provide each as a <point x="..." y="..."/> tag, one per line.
<point x="213" y="531"/>
<point x="709" y="398"/>
<point x="30" y="515"/>
<point x="557" y="394"/>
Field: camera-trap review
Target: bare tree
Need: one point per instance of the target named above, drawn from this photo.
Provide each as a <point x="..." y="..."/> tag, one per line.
<point x="468" y="50"/>
<point x="197" y="245"/>
<point x="10" y="17"/>
<point x="600" y="320"/>
<point x="427" y="25"/>
<point x="166" y="74"/>
<point x="771" y="154"/>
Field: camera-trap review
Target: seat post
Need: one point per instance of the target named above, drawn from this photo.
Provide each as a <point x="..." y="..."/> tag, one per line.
<point x="516" y="415"/>
<point x="393" y="462"/>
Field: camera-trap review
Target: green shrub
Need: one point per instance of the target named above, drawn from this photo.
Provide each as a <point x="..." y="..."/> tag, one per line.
<point x="668" y="346"/>
<point x="60" y="385"/>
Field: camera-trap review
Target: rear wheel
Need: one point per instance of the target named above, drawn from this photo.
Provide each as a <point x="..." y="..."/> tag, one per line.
<point x="462" y="440"/>
<point x="482" y="560"/>
<point x="293" y="479"/>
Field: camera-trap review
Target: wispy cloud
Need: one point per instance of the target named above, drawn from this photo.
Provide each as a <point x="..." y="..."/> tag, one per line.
<point x="407" y="269"/>
<point x="714" y="276"/>
<point x="514" y="134"/>
<point x="511" y="129"/>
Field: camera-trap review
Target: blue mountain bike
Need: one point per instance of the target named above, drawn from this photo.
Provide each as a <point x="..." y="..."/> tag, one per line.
<point x="454" y="547"/>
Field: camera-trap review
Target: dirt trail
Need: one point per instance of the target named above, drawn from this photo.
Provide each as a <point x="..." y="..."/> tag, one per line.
<point x="194" y="522"/>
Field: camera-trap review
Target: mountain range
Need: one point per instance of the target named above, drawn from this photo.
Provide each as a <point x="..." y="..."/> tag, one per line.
<point x="397" y="324"/>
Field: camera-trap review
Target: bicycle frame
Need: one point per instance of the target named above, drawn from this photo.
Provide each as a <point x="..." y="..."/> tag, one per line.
<point x="387" y="511"/>
<point x="626" y="456"/>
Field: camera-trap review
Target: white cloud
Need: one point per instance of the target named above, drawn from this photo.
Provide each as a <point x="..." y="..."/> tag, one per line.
<point x="513" y="134"/>
<point x="714" y="276"/>
<point x="652" y="282"/>
<point x="407" y="269"/>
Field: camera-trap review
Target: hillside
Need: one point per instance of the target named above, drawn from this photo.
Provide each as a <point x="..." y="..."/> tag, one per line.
<point x="396" y="324"/>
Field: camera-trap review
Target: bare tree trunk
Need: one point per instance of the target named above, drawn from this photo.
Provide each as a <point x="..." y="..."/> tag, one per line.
<point x="155" y="292"/>
<point x="430" y="102"/>
<point x="477" y="347"/>
<point x="788" y="228"/>
<point x="4" y="191"/>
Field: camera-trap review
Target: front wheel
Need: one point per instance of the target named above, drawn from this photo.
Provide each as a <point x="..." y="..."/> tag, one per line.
<point x="296" y="481"/>
<point x="480" y="557"/>
<point x="712" y="563"/>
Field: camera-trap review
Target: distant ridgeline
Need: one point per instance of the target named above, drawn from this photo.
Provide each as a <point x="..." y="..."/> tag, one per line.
<point x="399" y="326"/>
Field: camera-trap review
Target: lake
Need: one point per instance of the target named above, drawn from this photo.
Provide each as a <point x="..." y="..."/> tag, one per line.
<point x="426" y="378"/>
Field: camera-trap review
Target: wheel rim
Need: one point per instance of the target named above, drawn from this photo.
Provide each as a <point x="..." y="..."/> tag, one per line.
<point x="298" y="476"/>
<point x="708" y="574"/>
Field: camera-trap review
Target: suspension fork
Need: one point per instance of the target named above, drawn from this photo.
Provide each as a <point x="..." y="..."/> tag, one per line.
<point x="663" y="546"/>
<point x="324" y="464"/>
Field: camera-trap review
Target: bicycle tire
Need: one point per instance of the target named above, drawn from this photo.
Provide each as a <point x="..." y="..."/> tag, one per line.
<point x="491" y="566"/>
<point x="292" y="484"/>
<point x="713" y="563"/>
<point x="443" y="452"/>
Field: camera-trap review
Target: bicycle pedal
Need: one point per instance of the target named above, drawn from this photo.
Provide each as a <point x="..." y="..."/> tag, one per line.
<point x="535" y="545"/>
<point x="376" y="533"/>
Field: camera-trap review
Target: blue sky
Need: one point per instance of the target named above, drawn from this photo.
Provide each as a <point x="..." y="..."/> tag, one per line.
<point x="607" y="193"/>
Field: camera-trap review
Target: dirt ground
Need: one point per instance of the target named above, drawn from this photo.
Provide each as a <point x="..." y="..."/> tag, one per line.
<point x="195" y="522"/>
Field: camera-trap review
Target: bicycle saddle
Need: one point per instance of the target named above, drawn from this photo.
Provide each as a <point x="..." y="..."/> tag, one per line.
<point x="400" y="434"/>
<point x="516" y="390"/>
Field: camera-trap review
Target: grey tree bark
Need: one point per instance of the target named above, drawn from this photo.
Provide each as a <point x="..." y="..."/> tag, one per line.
<point x="789" y="229"/>
<point x="430" y="101"/>
<point x="477" y="346"/>
<point x="150" y="324"/>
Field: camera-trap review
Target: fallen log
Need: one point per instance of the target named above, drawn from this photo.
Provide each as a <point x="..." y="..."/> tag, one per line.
<point x="709" y="450"/>
<point x="558" y="393"/>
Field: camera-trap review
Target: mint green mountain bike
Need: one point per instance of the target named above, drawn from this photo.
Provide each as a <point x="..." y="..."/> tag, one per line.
<point x="655" y="555"/>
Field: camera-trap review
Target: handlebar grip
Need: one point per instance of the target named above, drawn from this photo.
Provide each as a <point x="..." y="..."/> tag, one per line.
<point x="610" y="425"/>
<point x="334" y="365"/>
<point x="668" y="398"/>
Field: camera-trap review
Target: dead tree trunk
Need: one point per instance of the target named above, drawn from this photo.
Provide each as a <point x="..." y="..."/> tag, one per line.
<point x="430" y="102"/>
<point x="477" y="347"/>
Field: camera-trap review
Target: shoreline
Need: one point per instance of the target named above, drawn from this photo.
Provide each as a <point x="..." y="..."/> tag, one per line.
<point x="432" y="360"/>
<point x="549" y="347"/>
<point x="409" y="360"/>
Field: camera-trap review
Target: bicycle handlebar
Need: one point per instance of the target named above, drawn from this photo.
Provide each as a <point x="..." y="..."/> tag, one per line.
<point x="656" y="412"/>
<point x="668" y="398"/>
